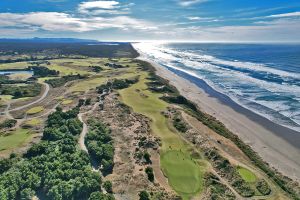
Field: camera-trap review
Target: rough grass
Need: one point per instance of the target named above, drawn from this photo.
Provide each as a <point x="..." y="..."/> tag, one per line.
<point x="63" y="70"/>
<point x="6" y="97"/>
<point x="33" y="122"/>
<point x="184" y="175"/>
<point x="16" y="65"/>
<point x="86" y="85"/>
<point x="14" y="139"/>
<point x="67" y="101"/>
<point x="246" y="174"/>
<point x="20" y="76"/>
<point x="35" y="110"/>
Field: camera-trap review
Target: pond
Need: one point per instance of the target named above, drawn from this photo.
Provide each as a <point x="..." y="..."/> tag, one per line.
<point x="10" y="72"/>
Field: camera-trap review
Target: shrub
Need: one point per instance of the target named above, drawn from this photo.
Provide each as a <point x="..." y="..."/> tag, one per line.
<point x="107" y="185"/>
<point x="263" y="187"/>
<point x="144" y="195"/>
<point x="150" y="174"/>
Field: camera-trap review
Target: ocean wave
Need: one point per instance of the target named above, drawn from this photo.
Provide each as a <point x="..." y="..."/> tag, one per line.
<point x="276" y="101"/>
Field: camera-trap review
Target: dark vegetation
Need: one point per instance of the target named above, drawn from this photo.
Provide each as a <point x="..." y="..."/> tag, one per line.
<point x="263" y="187"/>
<point x="8" y="123"/>
<point x="114" y="65"/>
<point x="40" y="71"/>
<point x="58" y="49"/>
<point x="53" y="168"/>
<point x="28" y="90"/>
<point x="58" y="82"/>
<point x="100" y="145"/>
<point x="226" y="170"/>
<point x="107" y="185"/>
<point x="179" y="123"/>
<point x="147" y="158"/>
<point x="4" y="79"/>
<point x="144" y="195"/>
<point x="96" y="69"/>
<point x="117" y="84"/>
<point x="150" y="174"/>
<point x="216" y="189"/>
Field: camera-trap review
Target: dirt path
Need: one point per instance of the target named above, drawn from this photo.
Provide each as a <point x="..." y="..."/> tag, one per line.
<point x="83" y="133"/>
<point x="47" y="88"/>
<point x="84" y="128"/>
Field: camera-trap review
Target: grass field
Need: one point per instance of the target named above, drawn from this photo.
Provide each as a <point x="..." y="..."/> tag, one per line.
<point x="16" y="65"/>
<point x="33" y="122"/>
<point x="67" y="101"/>
<point x="15" y="139"/>
<point x="246" y="174"/>
<point x="184" y="174"/>
<point x="5" y="97"/>
<point x="86" y="85"/>
<point x="20" y="76"/>
<point x="179" y="165"/>
<point x="35" y="110"/>
<point x="63" y="70"/>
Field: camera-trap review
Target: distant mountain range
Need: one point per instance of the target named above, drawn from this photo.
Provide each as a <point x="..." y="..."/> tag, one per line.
<point x="48" y="40"/>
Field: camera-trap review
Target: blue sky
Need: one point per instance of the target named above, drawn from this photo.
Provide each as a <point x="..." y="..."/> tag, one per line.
<point x="127" y="20"/>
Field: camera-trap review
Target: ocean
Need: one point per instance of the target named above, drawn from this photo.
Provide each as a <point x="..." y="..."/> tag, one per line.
<point x="264" y="78"/>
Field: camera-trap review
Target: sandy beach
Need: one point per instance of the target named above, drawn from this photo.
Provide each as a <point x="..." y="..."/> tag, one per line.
<point x="277" y="145"/>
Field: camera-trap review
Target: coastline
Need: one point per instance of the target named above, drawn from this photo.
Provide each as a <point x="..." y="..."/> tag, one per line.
<point x="277" y="145"/>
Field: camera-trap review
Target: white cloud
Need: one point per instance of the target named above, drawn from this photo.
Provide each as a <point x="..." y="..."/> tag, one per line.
<point x="104" y="7"/>
<point x="187" y="3"/>
<point x="292" y="14"/>
<point x="54" y="21"/>
<point x="85" y="6"/>
<point x="277" y="30"/>
<point x="194" y="18"/>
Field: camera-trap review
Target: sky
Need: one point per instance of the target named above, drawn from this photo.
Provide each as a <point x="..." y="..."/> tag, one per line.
<point x="171" y="20"/>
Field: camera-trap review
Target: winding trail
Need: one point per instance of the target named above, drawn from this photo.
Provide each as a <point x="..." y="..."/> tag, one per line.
<point x="84" y="128"/>
<point x="47" y="88"/>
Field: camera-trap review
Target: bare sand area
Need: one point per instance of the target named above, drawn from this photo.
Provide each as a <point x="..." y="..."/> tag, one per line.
<point x="277" y="145"/>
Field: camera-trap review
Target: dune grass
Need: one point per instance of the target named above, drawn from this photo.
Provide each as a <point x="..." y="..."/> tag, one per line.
<point x="6" y="97"/>
<point x="86" y="85"/>
<point x="246" y="174"/>
<point x="67" y="101"/>
<point x="14" y="139"/>
<point x="183" y="173"/>
<point x="15" y="65"/>
<point x="33" y="122"/>
<point x="35" y="110"/>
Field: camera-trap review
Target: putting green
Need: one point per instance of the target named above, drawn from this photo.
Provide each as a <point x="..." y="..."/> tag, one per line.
<point x="183" y="173"/>
<point x="246" y="174"/>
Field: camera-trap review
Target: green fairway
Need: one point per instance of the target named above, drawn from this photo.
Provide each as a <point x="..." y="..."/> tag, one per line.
<point x="246" y="174"/>
<point x="183" y="172"/>
<point x="184" y="175"/>
<point x="15" y="139"/>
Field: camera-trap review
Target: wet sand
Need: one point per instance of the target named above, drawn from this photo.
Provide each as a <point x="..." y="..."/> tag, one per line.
<point x="277" y="145"/>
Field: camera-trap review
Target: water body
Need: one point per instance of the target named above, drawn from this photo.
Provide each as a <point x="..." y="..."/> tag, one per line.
<point x="264" y="78"/>
<point x="9" y="72"/>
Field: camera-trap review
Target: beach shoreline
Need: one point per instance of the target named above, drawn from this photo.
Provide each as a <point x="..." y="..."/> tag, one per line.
<point x="277" y="145"/>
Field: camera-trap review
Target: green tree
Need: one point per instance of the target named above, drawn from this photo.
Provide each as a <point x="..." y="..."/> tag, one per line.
<point x="144" y="195"/>
<point x="149" y="172"/>
<point x="107" y="185"/>
<point x="27" y="194"/>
